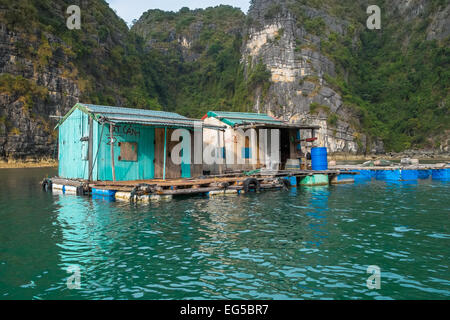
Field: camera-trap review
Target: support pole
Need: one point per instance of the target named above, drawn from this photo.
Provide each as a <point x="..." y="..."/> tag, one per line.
<point x="165" y="152"/>
<point x="90" y="148"/>
<point x="111" y="128"/>
<point x="219" y="153"/>
<point x="224" y="154"/>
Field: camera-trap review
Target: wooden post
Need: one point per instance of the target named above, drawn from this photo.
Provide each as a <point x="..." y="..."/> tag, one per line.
<point x="90" y="148"/>
<point x="111" y="128"/>
<point x="165" y="152"/>
<point x="219" y="153"/>
<point x="224" y="151"/>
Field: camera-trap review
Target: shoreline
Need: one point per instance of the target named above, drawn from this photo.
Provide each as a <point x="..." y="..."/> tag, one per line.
<point x="17" y="164"/>
<point x="49" y="163"/>
<point x="394" y="157"/>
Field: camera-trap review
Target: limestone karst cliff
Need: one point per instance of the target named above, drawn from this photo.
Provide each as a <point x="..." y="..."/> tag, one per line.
<point x="324" y="70"/>
<point x="311" y="61"/>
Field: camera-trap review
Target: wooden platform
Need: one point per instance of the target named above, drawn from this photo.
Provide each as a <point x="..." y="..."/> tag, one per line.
<point x="203" y="185"/>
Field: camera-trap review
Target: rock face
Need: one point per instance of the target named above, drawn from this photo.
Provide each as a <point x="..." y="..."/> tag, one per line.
<point x="298" y="69"/>
<point x="193" y="61"/>
<point x="45" y="68"/>
<point x="28" y="131"/>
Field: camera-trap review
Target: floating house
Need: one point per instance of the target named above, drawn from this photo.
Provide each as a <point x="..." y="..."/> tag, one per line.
<point x="239" y="148"/>
<point x="103" y="143"/>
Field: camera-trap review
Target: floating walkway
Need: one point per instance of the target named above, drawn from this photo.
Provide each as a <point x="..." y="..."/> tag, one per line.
<point x="239" y="183"/>
<point x="221" y="185"/>
<point x="396" y="173"/>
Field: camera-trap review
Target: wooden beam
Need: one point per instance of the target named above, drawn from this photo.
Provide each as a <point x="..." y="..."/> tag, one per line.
<point x="165" y="152"/>
<point x="111" y="135"/>
<point x="219" y="153"/>
<point x="224" y="154"/>
<point x="90" y="148"/>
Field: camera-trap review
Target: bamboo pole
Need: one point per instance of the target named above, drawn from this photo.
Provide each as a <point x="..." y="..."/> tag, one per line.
<point x="111" y="128"/>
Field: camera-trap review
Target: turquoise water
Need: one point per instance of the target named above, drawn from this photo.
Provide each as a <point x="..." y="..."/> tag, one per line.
<point x="312" y="243"/>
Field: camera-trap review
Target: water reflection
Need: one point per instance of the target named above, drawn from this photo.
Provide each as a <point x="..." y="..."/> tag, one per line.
<point x="318" y="210"/>
<point x="309" y="242"/>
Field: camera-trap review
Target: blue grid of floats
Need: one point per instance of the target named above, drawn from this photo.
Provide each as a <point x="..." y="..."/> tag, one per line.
<point x="395" y="174"/>
<point x="363" y="175"/>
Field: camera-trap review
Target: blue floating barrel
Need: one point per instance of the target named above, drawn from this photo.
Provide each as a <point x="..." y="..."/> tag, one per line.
<point x="292" y="181"/>
<point x="392" y="175"/>
<point x="366" y="174"/>
<point x="410" y="174"/>
<point x="380" y="175"/>
<point x="319" y="159"/>
<point x="424" y="174"/>
<point x="440" y="174"/>
<point x="103" y="193"/>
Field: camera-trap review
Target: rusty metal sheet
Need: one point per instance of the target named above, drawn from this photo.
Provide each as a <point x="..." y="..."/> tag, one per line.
<point x="128" y="151"/>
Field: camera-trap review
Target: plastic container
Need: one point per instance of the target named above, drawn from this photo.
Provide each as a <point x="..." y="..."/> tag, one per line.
<point x="440" y="174"/>
<point x="409" y="175"/>
<point x="319" y="159"/>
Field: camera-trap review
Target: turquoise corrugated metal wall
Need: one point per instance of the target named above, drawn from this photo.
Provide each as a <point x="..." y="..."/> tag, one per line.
<point x="73" y="153"/>
<point x="125" y="170"/>
<point x="186" y="167"/>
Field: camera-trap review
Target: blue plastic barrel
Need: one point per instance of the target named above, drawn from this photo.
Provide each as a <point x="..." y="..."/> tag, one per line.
<point x="365" y="174"/>
<point x="103" y="193"/>
<point x="393" y="175"/>
<point x="424" y="174"/>
<point x="319" y="159"/>
<point x="409" y="174"/>
<point x="440" y="174"/>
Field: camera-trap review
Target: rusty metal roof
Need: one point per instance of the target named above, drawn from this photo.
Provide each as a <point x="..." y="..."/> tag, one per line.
<point x="117" y="115"/>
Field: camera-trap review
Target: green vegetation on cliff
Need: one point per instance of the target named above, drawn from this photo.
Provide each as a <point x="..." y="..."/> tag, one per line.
<point x="198" y="53"/>
<point x="104" y="58"/>
<point x="394" y="78"/>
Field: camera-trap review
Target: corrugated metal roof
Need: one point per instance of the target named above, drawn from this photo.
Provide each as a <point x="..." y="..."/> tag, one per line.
<point x="108" y="110"/>
<point x="239" y="118"/>
<point x="139" y="116"/>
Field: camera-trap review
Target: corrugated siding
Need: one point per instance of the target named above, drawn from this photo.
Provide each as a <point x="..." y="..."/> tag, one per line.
<point x="73" y="161"/>
<point x="73" y="153"/>
<point x="143" y="168"/>
<point x="234" y="118"/>
<point x="131" y="112"/>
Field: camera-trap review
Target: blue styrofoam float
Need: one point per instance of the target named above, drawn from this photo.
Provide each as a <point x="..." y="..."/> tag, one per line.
<point x="292" y="181"/>
<point x="440" y="174"/>
<point x="393" y="175"/>
<point x="103" y="193"/>
<point x="409" y="175"/>
<point x="424" y="174"/>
